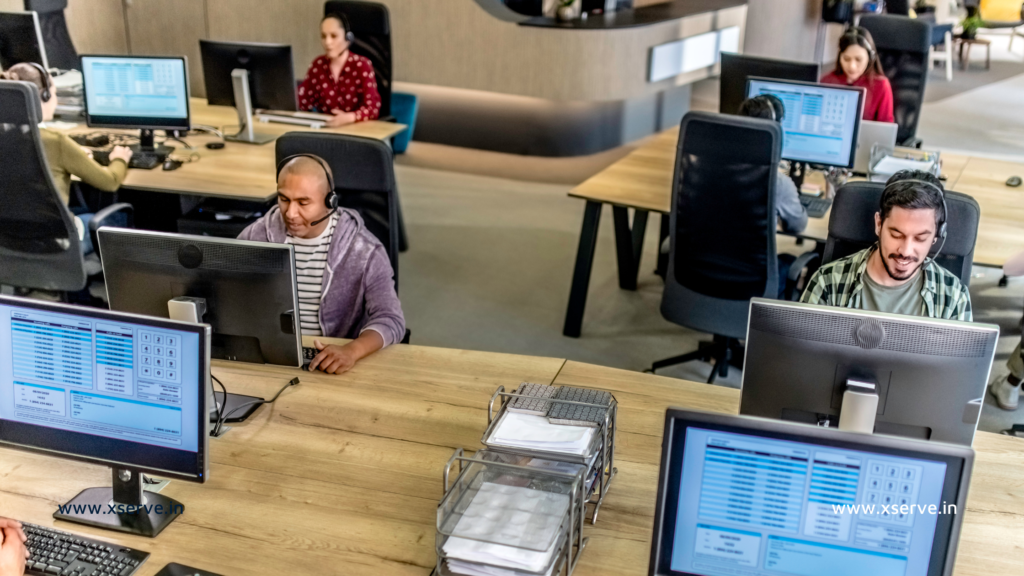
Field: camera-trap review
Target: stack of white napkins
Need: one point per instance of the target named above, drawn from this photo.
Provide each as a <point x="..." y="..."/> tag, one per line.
<point x="527" y="522"/>
<point x="531" y="432"/>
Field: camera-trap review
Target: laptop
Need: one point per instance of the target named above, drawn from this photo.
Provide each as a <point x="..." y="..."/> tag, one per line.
<point x="744" y="496"/>
<point x="872" y="133"/>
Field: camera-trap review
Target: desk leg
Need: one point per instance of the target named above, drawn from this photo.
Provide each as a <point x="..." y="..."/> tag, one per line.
<point x="629" y="243"/>
<point x="581" y="273"/>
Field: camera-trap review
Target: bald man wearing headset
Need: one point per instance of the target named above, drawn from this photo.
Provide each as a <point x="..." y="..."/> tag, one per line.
<point x="345" y="280"/>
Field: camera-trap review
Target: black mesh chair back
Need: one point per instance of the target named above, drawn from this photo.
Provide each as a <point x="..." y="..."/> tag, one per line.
<point x="39" y="245"/>
<point x="60" y="50"/>
<point x="903" y="45"/>
<point x="898" y="7"/>
<point x="723" y="223"/>
<point x="371" y="24"/>
<point x="364" y="179"/>
<point x="851" y="227"/>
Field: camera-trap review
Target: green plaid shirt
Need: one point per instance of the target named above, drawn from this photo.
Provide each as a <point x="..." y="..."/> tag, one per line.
<point x="840" y="284"/>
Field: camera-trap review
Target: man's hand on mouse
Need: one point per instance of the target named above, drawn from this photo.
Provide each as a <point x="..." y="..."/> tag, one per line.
<point x="121" y="153"/>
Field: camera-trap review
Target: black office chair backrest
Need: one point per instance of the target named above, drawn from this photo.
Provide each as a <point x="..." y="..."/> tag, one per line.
<point x="60" y="50"/>
<point x="39" y="245"/>
<point x="371" y="24"/>
<point x="898" y="7"/>
<point x="851" y="226"/>
<point x="723" y="221"/>
<point x="364" y="179"/>
<point x="903" y="45"/>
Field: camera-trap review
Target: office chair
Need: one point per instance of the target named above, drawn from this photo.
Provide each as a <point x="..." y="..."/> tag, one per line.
<point x="39" y="245"/>
<point x="60" y="50"/>
<point x="722" y="231"/>
<point x="851" y="227"/>
<point x="903" y="48"/>
<point x="371" y="25"/>
<point x="897" y="7"/>
<point x="364" y="179"/>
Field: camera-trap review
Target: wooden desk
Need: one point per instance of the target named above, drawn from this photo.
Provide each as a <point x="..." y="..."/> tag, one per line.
<point x="643" y="181"/>
<point x="343" y="474"/>
<point x="237" y="171"/>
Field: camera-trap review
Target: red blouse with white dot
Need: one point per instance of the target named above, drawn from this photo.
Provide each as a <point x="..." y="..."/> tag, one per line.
<point x="355" y="89"/>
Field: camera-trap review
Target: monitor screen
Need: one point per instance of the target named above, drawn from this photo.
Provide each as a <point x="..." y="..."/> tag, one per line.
<point x="128" y="91"/>
<point x="738" y="68"/>
<point x="21" y="39"/>
<point x="107" y="377"/>
<point x="759" y="498"/>
<point x="821" y="121"/>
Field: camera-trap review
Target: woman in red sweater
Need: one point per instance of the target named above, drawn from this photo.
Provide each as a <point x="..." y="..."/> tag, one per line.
<point x="339" y="82"/>
<point x="858" y="65"/>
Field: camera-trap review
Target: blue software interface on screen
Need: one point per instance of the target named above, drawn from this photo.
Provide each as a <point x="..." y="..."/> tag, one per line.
<point x="750" y="506"/>
<point x="142" y="87"/>
<point x="819" y="124"/>
<point x="107" y="378"/>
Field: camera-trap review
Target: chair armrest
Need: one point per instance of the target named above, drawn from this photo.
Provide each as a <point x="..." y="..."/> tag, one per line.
<point x="121" y="214"/>
<point x="801" y="262"/>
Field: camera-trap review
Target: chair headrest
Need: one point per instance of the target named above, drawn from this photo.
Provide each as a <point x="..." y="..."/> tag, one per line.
<point x="43" y="6"/>
<point x="366" y="18"/>
<point x="898" y="33"/>
<point x="20" y="103"/>
<point x="721" y="126"/>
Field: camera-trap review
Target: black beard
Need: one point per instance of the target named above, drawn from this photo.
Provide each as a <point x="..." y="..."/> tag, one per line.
<point x="885" y="264"/>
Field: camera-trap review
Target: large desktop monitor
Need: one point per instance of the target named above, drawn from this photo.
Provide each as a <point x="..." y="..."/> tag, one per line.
<point x="909" y="376"/>
<point x="247" y="291"/>
<point x="821" y="121"/>
<point x="271" y="76"/>
<point x="107" y="388"/>
<point x="145" y="92"/>
<point x="21" y="39"/>
<point x="738" y="68"/>
<point x="739" y="495"/>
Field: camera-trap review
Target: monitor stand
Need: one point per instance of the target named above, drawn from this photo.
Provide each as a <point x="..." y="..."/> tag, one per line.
<point x="125" y="507"/>
<point x="860" y="406"/>
<point x="189" y="309"/>
<point x="147" y="145"/>
<point x="243" y="106"/>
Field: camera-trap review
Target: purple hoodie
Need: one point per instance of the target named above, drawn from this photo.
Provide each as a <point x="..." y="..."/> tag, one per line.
<point x="359" y="286"/>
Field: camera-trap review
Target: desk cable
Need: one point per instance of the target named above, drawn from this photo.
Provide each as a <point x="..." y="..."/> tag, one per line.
<point x="221" y="416"/>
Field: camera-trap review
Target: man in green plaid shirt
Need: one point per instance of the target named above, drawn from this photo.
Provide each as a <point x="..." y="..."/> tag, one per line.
<point x="895" y="274"/>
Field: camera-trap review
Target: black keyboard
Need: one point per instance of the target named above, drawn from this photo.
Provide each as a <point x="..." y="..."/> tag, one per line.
<point x="816" y="207"/>
<point x="58" y="552"/>
<point x="143" y="160"/>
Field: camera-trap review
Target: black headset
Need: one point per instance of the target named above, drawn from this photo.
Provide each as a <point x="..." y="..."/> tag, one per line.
<point x="44" y="93"/>
<point x="942" y="197"/>
<point x="331" y="200"/>
<point x="349" y="36"/>
<point x="859" y="32"/>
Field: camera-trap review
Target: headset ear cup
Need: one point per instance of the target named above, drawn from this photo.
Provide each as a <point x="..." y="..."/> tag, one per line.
<point x="350" y="36"/>
<point x="331" y="200"/>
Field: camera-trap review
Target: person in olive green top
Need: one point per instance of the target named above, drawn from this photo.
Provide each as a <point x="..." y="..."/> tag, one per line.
<point x="64" y="156"/>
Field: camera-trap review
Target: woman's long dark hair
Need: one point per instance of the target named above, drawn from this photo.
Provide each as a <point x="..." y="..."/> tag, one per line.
<point x="857" y="36"/>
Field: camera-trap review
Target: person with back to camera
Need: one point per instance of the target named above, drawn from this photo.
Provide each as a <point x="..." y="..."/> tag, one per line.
<point x="858" y="65"/>
<point x="895" y="274"/>
<point x="339" y="82"/>
<point x="64" y="157"/>
<point x="791" y="212"/>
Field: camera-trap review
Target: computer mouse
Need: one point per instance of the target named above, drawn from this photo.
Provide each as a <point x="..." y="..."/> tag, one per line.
<point x="214" y="145"/>
<point x="1013" y="181"/>
<point x="171" y="165"/>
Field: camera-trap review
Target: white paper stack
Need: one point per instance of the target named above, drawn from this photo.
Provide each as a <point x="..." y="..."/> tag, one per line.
<point x="526" y="522"/>
<point x="537" y="433"/>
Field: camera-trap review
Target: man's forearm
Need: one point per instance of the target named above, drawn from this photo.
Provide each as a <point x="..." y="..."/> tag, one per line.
<point x="367" y="343"/>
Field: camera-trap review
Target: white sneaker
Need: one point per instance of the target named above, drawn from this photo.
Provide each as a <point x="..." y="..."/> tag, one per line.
<point x="1007" y="395"/>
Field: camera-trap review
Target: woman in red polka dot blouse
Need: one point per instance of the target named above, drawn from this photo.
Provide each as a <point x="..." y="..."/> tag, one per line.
<point x="340" y="82"/>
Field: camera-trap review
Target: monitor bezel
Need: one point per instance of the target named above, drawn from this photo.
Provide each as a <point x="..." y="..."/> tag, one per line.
<point x="861" y="97"/>
<point x="138" y="122"/>
<point x="740" y="60"/>
<point x="40" y="45"/>
<point x="959" y="461"/>
<point x="54" y="442"/>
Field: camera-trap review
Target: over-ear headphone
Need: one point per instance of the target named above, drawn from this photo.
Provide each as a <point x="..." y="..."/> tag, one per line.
<point x="861" y="33"/>
<point x="776" y="106"/>
<point x="942" y="198"/>
<point x="349" y="36"/>
<point x="331" y="200"/>
<point x="44" y="92"/>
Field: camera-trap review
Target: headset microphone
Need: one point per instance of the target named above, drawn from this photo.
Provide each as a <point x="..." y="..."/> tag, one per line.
<point x="315" y="222"/>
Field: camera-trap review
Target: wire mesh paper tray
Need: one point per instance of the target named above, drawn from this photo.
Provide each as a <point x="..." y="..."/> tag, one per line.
<point x="600" y="456"/>
<point x="556" y="498"/>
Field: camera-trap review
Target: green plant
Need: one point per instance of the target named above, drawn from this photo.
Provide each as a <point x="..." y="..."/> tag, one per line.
<point x="971" y="25"/>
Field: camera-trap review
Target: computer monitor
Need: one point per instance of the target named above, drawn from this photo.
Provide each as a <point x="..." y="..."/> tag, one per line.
<point x="21" y="39"/>
<point x="271" y="75"/>
<point x="818" y="365"/>
<point x="247" y="289"/>
<point x="145" y="92"/>
<point x="738" y="68"/>
<point x="739" y="495"/>
<point x="821" y="120"/>
<point x="112" y="389"/>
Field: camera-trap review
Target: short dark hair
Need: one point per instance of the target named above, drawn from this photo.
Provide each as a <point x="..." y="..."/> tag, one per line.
<point x="906" y="189"/>
<point x="767" y="106"/>
<point x="341" y="18"/>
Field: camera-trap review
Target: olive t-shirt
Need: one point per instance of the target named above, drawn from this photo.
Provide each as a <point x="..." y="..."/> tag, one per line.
<point x="903" y="299"/>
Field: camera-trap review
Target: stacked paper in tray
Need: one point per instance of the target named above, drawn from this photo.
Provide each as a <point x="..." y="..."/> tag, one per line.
<point x="527" y="523"/>
<point x="537" y="433"/>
